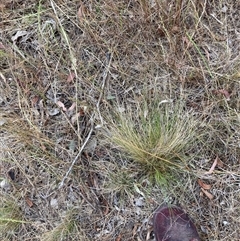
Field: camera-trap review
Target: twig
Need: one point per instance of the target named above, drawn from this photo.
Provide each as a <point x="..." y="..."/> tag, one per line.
<point x="105" y="75"/>
<point x="79" y="153"/>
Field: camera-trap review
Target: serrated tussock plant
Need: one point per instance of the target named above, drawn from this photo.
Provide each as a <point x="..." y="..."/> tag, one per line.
<point x="158" y="136"/>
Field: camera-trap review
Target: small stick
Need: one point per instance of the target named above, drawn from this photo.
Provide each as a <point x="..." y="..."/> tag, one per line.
<point x="77" y="156"/>
<point x="105" y="75"/>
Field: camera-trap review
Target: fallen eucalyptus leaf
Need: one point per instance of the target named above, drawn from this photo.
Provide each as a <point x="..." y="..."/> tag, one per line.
<point x="208" y="194"/>
<point x="204" y="185"/>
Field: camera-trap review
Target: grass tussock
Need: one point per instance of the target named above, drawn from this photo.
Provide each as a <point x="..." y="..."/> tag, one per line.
<point x="158" y="136"/>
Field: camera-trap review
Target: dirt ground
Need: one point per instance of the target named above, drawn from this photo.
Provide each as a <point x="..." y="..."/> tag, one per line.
<point x="66" y="69"/>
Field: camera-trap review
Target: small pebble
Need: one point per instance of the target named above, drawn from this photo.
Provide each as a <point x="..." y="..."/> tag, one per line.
<point x="5" y="184"/>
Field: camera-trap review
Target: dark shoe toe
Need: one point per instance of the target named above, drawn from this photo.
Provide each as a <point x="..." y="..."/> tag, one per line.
<point x="172" y="224"/>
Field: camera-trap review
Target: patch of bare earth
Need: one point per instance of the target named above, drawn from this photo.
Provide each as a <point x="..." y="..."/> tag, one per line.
<point x="66" y="67"/>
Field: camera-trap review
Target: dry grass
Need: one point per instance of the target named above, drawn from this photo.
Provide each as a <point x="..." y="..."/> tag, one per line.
<point x="67" y="229"/>
<point x="66" y="66"/>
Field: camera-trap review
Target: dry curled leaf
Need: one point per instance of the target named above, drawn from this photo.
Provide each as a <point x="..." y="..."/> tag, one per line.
<point x="60" y="104"/>
<point x="106" y="210"/>
<point x="223" y="92"/>
<point x="1" y="44"/>
<point x="72" y="107"/>
<point x="208" y="194"/>
<point x="81" y="13"/>
<point x="204" y="185"/>
<point x="34" y="100"/>
<point x="213" y="166"/>
<point x="70" y="77"/>
<point x="219" y="163"/>
<point x="29" y="202"/>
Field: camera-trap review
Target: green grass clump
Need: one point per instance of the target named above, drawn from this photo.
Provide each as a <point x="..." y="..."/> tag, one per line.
<point x="11" y="217"/>
<point x="158" y="136"/>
